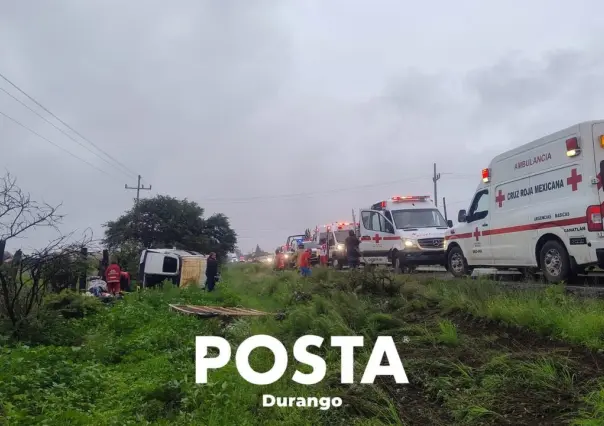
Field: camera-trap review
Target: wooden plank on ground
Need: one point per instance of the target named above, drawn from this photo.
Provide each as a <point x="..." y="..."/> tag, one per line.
<point x="214" y="311"/>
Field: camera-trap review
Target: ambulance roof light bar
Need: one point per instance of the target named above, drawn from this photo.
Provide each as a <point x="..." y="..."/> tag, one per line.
<point x="399" y="199"/>
<point x="486" y="175"/>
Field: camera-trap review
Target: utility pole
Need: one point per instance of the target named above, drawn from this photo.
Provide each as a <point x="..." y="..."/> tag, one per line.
<point x="139" y="187"/>
<point x="445" y="208"/>
<point x="435" y="178"/>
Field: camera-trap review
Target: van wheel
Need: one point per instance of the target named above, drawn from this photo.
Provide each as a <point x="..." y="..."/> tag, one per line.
<point x="457" y="264"/>
<point x="554" y="262"/>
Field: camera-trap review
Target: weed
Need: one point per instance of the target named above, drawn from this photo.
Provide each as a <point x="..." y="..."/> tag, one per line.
<point x="133" y="362"/>
<point x="448" y="333"/>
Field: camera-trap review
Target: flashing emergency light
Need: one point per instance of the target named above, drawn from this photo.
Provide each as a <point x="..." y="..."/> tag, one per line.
<point x="602" y="141"/>
<point x="486" y="175"/>
<point x="399" y="199"/>
<point x="383" y="204"/>
<point x="572" y="147"/>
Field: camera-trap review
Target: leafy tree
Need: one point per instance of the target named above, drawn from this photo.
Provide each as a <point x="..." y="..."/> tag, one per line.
<point x="258" y="251"/>
<point x="164" y="221"/>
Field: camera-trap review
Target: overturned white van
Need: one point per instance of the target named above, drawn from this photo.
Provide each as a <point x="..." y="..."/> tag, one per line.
<point x="181" y="267"/>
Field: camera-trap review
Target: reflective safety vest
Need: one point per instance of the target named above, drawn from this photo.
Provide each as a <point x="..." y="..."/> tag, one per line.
<point x="323" y="251"/>
<point x="113" y="274"/>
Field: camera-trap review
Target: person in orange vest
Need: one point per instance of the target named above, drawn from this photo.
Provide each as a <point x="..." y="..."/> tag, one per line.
<point x="113" y="274"/>
<point x="304" y="263"/>
<point x="279" y="260"/>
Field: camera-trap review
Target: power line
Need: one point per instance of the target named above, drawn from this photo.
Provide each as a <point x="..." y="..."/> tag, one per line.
<point x="62" y="122"/>
<point x="327" y="192"/>
<point x="129" y="174"/>
<point x="54" y="144"/>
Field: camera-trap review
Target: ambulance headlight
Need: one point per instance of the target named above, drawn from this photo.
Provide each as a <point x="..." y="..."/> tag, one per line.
<point x="409" y="243"/>
<point x="340" y="247"/>
<point x="286" y="256"/>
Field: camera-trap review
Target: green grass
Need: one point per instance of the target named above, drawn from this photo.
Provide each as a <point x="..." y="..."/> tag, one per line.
<point x="549" y="312"/>
<point x="133" y="363"/>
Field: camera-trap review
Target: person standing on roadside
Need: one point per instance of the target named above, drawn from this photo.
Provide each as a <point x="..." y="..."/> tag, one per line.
<point x="323" y="252"/>
<point x="113" y="275"/>
<point x="279" y="260"/>
<point x="304" y="262"/>
<point x="211" y="271"/>
<point x="353" y="252"/>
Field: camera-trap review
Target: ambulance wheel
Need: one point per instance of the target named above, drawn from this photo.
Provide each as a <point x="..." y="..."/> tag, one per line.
<point x="555" y="262"/>
<point x="336" y="264"/>
<point x="457" y="264"/>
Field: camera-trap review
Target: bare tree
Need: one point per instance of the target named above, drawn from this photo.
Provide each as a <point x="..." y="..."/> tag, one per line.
<point x="21" y="284"/>
<point x="19" y="213"/>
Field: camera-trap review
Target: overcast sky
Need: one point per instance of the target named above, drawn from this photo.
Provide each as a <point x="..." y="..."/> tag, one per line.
<point x="286" y="114"/>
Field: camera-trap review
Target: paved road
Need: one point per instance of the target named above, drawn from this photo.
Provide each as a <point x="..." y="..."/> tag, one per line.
<point x="591" y="285"/>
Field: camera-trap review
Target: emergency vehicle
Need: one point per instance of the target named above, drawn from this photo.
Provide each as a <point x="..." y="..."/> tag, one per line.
<point x="292" y="244"/>
<point x="404" y="231"/>
<point x="181" y="267"/>
<point x="293" y="241"/>
<point x="335" y="234"/>
<point x="538" y="207"/>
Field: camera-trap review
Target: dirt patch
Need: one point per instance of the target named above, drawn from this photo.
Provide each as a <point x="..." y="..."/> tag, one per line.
<point x="469" y="371"/>
<point x="519" y="339"/>
<point x="416" y="406"/>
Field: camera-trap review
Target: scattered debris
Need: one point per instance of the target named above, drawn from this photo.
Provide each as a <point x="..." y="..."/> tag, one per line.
<point x="216" y="311"/>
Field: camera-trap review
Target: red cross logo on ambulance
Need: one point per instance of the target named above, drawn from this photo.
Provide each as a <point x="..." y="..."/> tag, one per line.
<point x="377" y="238"/>
<point x="574" y="180"/>
<point x="500" y="198"/>
<point x="477" y="233"/>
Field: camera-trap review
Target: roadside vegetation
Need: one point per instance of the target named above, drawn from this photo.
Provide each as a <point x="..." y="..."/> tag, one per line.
<point x="474" y="354"/>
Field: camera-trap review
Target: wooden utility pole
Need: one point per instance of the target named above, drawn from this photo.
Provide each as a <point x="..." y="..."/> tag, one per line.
<point x="84" y="266"/>
<point x="435" y="178"/>
<point x="140" y="187"/>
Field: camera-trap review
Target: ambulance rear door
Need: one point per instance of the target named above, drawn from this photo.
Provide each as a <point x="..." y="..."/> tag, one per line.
<point x="597" y="130"/>
<point x="376" y="235"/>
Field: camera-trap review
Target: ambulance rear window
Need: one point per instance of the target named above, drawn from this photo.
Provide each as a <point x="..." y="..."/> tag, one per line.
<point x="418" y="218"/>
<point x="341" y="236"/>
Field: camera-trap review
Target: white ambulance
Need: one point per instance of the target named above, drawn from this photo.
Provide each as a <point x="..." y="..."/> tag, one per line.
<point x="404" y="232"/>
<point x="337" y="233"/>
<point x="538" y="208"/>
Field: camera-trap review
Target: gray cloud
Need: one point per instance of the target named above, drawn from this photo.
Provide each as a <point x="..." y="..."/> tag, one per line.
<point x="234" y="104"/>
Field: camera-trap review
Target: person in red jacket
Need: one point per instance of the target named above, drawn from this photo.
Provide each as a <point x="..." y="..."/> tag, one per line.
<point x="304" y="262"/>
<point x="279" y="260"/>
<point x="113" y="274"/>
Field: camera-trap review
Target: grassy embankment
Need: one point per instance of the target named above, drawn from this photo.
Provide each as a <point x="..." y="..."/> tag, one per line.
<point x="134" y="362"/>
